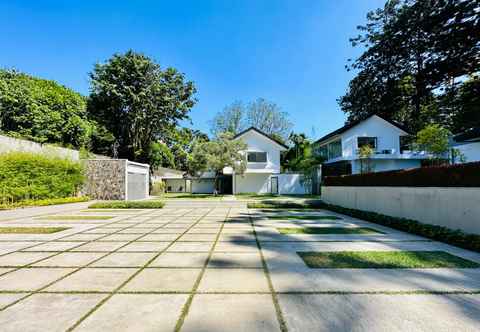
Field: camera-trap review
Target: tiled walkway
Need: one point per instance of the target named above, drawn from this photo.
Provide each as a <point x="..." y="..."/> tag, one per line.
<point x="219" y="267"/>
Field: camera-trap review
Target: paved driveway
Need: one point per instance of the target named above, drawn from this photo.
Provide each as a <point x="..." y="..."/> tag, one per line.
<point x="217" y="266"/>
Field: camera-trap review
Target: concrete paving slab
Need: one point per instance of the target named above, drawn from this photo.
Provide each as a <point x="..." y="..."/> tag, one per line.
<point x="124" y="259"/>
<point x="145" y="246"/>
<point x="190" y="246"/>
<point x="238" y="260"/>
<point x="163" y="280"/>
<point x="100" y="246"/>
<point x="198" y="237"/>
<point x="55" y="246"/>
<point x="70" y="259"/>
<point x="136" y="312"/>
<point x="180" y="259"/>
<point x="47" y="312"/>
<point x="30" y="279"/>
<point x="231" y="312"/>
<point x="9" y="298"/>
<point x="381" y="312"/>
<point x="242" y="246"/>
<point x="83" y="237"/>
<point x="93" y="279"/>
<point x="22" y="258"/>
<point x="119" y="237"/>
<point x="234" y="280"/>
<point x="159" y="237"/>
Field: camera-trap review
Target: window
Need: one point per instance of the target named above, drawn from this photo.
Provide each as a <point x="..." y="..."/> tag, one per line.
<point x="335" y="149"/>
<point x="370" y="141"/>
<point x="406" y="143"/>
<point x="257" y="157"/>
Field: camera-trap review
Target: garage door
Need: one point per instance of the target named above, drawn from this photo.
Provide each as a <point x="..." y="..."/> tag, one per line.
<point x="136" y="186"/>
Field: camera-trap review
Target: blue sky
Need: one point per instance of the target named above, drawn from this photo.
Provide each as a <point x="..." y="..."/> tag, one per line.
<point x="290" y="52"/>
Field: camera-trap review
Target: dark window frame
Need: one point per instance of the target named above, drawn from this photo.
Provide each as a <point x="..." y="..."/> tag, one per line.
<point x="256" y="154"/>
<point x="375" y="141"/>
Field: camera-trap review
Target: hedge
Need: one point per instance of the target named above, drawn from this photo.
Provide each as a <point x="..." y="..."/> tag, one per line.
<point x="29" y="176"/>
<point x="154" y="204"/>
<point x="461" y="175"/>
<point x="434" y="232"/>
<point x="44" y="202"/>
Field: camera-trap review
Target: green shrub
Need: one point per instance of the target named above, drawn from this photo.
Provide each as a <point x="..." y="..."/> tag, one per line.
<point x="434" y="232"/>
<point x="128" y="205"/>
<point x="44" y="202"/>
<point x="29" y="176"/>
<point x="158" y="188"/>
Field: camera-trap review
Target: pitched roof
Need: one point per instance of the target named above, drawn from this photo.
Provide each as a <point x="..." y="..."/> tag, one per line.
<point x="472" y="134"/>
<point x="354" y="123"/>
<point x="261" y="133"/>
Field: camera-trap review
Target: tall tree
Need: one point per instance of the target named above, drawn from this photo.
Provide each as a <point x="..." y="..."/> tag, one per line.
<point x="138" y="102"/>
<point x="413" y="49"/>
<point x="261" y="114"/>
<point x="215" y="155"/>
<point x="43" y="111"/>
<point x="181" y="141"/>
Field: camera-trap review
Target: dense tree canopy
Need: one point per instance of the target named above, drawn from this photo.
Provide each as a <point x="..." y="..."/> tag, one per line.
<point x="261" y="114"/>
<point x="42" y="111"/>
<point x="417" y="54"/>
<point x="138" y="102"/>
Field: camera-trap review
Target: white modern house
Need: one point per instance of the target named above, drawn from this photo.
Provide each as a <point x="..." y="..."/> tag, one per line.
<point x="262" y="175"/>
<point x="389" y="140"/>
<point x="468" y="143"/>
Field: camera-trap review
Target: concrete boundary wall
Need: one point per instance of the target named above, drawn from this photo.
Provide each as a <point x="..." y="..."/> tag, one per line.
<point x="10" y="144"/>
<point x="455" y="208"/>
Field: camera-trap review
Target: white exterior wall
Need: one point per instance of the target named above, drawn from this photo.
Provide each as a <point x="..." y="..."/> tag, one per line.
<point x="203" y="186"/>
<point x="177" y="185"/>
<point x="133" y="168"/>
<point x="9" y="144"/>
<point x="388" y="136"/>
<point x="455" y="208"/>
<point x="471" y="151"/>
<point x="259" y="143"/>
<point x="290" y="184"/>
<point x="252" y="183"/>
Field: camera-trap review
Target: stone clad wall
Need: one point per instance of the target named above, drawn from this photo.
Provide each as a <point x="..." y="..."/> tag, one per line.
<point x="105" y="179"/>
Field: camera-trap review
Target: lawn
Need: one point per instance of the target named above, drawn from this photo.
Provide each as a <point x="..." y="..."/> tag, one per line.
<point x="384" y="260"/>
<point x="75" y="218"/>
<point x="189" y="196"/>
<point x="328" y="230"/>
<point x="31" y="230"/>
<point x="153" y="204"/>
<point x="261" y="197"/>
<point x="304" y="217"/>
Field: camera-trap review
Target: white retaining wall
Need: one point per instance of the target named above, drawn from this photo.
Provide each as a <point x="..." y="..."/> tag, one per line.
<point x="10" y="144"/>
<point x="291" y="184"/>
<point x="455" y="208"/>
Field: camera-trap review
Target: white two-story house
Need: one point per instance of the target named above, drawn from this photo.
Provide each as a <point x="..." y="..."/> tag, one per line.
<point x="262" y="175"/>
<point x="389" y="140"/>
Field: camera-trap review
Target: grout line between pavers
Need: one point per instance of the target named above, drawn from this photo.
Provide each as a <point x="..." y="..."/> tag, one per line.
<point x="186" y="307"/>
<point x="281" y="320"/>
<point x="115" y="291"/>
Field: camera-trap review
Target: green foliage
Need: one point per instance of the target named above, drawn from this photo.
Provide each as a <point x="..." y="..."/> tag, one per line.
<point x="215" y="155"/>
<point x="42" y="111"/>
<point x="128" y="205"/>
<point x="415" y="52"/>
<point x="44" y="202"/>
<point x="261" y="114"/>
<point x="158" y="188"/>
<point x="434" y="140"/>
<point x="180" y="142"/>
<point x="365" y="153"/>
<point x="138" y="102"/>
<point x="160" y="156"/>
<point x="29" y="176"/>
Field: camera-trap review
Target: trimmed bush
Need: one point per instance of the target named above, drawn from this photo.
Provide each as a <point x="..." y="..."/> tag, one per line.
<point x="461" y="175"/>
<point x="29" y="176"/>
<point x="44" y="202"/>
<point x="128" y="205"/>
<point x="434" y="232"/>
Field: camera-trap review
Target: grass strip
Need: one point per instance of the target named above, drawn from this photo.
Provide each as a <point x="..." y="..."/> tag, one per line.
<point x="154" y="204"/>
<point x="112" y="210"/>
<point x="75" y="218"/>
<point x="304" y="217"/>
<point x="31" y="230"/>
<point x="384" y="260"/>
<point x="328" y="230"/>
